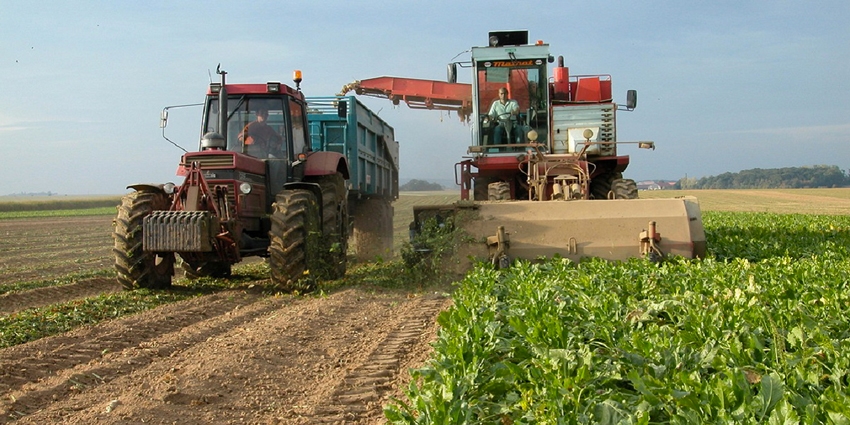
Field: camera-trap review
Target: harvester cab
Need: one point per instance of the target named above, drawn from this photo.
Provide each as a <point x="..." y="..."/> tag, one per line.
<point x="510" y="95"/>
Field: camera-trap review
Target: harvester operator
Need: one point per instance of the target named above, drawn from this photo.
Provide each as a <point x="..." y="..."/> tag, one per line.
<point x="259" y="138"/>
<point x="504" y="111"/>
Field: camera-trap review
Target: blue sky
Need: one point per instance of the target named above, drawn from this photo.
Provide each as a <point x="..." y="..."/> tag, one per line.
<point x="723" y="85"/>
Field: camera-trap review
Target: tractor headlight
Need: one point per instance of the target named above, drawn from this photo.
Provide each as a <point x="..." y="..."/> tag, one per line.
<point x="168" y="188"/>
<point x="245" y="188"/>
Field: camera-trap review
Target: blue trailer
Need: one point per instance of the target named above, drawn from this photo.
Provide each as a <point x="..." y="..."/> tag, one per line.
<point x="372" y="151"/>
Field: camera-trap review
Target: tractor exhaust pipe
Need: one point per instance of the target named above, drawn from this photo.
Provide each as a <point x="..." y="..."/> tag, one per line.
<point x="222" y="104"/>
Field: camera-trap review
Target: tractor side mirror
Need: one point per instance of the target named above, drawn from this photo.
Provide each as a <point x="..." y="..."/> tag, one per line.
<point x="631" y="99"/>
<point x="342" y="108"/>
<point x="451" y="73"/>
<point x="163" y="118"/>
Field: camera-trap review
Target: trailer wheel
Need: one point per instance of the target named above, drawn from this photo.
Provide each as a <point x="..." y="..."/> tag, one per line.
<point x="624" y="189"/>
<point x="334" y="224"/>
<point x="373" y="229"/>
<point x="135" y="267"/>
<point x="600" y="186"/>
<point x="499" y="191"/>
<point x="295" y="240"/>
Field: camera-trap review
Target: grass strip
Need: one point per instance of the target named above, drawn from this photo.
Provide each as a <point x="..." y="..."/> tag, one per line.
<point x="77" y="212"/>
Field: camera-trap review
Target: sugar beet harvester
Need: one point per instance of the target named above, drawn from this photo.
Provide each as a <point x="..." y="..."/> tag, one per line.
<point x="277" y="175"/>
<point x="547" y="178"/>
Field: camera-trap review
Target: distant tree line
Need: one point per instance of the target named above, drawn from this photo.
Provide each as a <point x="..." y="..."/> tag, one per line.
<point x="772" y="178"/>
<point x="420" y="185"/>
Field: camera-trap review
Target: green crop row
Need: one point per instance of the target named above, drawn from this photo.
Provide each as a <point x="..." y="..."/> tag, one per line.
<point x="58" y="213"/>
<point x="756" y="333"/>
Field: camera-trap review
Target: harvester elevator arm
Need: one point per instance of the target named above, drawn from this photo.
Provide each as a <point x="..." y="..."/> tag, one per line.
<point x="417" y="94"/>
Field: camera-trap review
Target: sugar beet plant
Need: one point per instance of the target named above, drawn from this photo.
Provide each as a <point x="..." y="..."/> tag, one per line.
<point x="756" y="333"/>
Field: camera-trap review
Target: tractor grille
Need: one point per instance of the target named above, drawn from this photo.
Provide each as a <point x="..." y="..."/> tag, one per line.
<point x="179" y="231"/>
<point x="212" y="161"/>
<point x="231" y="191"/>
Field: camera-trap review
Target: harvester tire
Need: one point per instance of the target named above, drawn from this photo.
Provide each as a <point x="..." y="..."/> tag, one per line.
<point x="499" y="191"/>
<point x="216" y="269"/>
<point x="600" y="186"/>
<point x="624" y="189"/>
<point x="373" y="229"/>
<point x="135" y="267"/>
<point x="334" y="224"/>
<point x="295" y="249"/>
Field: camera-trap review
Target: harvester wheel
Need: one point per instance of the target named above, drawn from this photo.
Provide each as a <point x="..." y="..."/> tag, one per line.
<point x="334" y="224"/>
<point x="135" y="267"/>
<point x="373" y="229"/>
<point x="295" y="250"/>
<point x="600" y="186"/>
<point x="624" y="189"/>
<point x="216" y="269"/>
<point x="499" y="191"/>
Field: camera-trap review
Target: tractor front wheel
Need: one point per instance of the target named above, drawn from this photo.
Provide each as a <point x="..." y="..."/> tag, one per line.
<point x="136" y="267"/>
<point x="295" y="250"/>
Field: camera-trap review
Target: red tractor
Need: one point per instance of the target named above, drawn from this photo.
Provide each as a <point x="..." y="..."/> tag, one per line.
<point x="255" y="188"/>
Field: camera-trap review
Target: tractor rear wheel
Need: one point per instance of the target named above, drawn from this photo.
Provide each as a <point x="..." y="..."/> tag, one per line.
<point x="136" y="267"/>
<point x="295" y="250"/>
<point x="499" y="191"/>
<point x="373" y="229"/>
<point x="624" y="189"/>
<point x="601" y="185"/>
<point x="334" y="224"/>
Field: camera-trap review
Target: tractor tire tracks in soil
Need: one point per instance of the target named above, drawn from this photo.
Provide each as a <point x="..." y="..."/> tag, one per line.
<point x="231" y="357"/>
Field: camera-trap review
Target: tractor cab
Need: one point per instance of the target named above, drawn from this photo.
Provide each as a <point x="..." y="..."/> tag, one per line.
<point x="505" y="123"/>
<point x="259" y="124"/>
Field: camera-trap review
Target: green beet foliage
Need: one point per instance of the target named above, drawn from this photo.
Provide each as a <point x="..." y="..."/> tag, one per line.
<point x="757" y="333"/>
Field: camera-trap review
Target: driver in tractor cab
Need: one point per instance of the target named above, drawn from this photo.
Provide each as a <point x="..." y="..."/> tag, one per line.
<point x="259" y="138"/>
<point x="504" y="111"/>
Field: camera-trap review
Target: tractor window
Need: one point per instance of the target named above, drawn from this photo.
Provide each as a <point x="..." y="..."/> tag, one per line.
<point x="299" y="135"/>
<point x="256" y="126"/>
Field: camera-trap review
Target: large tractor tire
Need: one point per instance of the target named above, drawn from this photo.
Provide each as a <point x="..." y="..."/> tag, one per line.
<point x="624" y="189"/>
<point x="373" y="229"/>
<point x="137" y="268"/>
<point x="600" y="186"/>
<point x="295" y="251"/>
<point x="334" y="225"/>
<point x="499" y="191"/>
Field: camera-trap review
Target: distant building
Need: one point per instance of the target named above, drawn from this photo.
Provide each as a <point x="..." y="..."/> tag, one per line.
<point x="655" y="184"/>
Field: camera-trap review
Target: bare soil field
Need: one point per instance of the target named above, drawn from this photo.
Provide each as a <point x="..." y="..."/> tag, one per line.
<point x="238" y="355"/>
